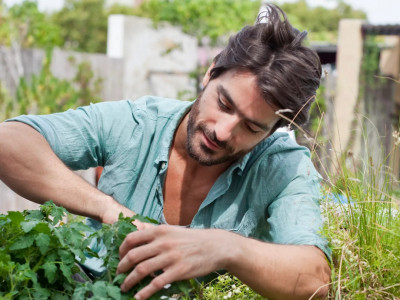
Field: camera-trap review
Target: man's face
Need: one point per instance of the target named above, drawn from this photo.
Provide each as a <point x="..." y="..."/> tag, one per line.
<point x="228" y="119"/>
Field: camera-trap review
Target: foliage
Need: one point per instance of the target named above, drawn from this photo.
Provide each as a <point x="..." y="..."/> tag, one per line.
<point x="211" y="18"/>
<point x="83" y="25"/>
<point x="45" y="93"/>
<point x="322" y="23"/>
<point x="25" y="25"/>
<point x="228" y="287"/>
<point x="39" y="255"/>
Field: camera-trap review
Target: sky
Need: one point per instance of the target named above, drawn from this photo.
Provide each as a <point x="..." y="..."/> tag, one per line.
<point x="378" y="11"/>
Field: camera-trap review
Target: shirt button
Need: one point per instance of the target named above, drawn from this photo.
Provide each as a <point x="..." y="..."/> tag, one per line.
<point x="163" y="165"/>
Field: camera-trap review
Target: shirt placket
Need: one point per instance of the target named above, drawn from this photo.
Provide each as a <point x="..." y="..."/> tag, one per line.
<point x="159" y="189"/>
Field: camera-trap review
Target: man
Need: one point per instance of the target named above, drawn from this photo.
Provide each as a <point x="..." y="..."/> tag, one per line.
<point x="215" y="166"/>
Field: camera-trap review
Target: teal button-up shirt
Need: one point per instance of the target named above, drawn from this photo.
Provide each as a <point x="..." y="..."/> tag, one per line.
<point x="271" y="194"/>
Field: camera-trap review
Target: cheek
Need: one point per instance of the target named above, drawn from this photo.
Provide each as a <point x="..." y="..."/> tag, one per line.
<point x="207" y="113"/>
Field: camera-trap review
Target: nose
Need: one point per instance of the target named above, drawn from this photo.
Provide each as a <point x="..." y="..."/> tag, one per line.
<point x="226" y="127"/>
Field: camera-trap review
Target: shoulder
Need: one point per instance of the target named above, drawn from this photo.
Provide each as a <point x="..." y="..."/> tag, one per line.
<point x="144" y="110"/>
<point x="149" y="104"/>
<point x="279" y="160"/>
<point x="155" y="107"/>
<point x="280" y="150"/>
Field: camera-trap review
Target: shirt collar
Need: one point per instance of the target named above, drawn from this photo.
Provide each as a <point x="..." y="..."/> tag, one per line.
<point x="170" y="128"/>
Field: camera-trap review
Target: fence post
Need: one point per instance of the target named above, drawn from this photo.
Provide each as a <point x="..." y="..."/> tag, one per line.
<point x="349" y="58"/>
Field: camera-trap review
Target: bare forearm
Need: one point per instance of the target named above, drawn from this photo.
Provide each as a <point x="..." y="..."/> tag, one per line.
<point x="280" y="271"/>
<point x="29" y="166"/>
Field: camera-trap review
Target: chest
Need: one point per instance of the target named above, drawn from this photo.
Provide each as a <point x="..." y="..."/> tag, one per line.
<point x="183" y="193"/>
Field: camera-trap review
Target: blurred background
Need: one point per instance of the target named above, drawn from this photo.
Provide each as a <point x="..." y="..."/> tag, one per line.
<point x="60" y="54"/>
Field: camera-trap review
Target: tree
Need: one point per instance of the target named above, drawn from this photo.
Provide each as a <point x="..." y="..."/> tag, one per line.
<point x="83" y="25"/>
<point x="211" y="18"/>
<point x="25" y="25"/>
<point x="321" y="22"/>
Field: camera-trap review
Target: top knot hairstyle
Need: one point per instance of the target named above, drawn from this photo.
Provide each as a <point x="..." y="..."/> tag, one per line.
<point x="287" y="72"/>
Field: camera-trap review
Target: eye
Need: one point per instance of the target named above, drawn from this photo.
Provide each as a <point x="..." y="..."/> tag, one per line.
<point x="222" y="105"/>
<point x="252" y="130"/>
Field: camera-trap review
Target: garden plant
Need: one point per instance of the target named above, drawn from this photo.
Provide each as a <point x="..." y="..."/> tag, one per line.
<point x="40" y="249"/>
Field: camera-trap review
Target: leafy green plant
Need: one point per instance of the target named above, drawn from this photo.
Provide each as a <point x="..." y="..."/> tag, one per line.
<point x="39" y="253"/>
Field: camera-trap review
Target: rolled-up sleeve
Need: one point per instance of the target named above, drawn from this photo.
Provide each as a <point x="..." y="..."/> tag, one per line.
<point x="79" y="137"/>
<point x="294" y="217"/>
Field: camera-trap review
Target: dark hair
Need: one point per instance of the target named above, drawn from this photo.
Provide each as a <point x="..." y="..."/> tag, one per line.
<point x="287" y="72"/>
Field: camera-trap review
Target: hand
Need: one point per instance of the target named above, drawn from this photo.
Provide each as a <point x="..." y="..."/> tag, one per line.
<point x="181" y="253"/>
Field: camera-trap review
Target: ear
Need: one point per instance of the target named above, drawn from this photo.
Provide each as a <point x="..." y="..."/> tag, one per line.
<point x="206" y="78"/>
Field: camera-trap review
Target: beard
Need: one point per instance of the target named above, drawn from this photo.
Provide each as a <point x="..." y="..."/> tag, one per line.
<point x="200" y="152"/>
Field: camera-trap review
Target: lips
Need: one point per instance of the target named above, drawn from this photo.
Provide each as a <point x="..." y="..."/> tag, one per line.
<point x="210" y="144"/>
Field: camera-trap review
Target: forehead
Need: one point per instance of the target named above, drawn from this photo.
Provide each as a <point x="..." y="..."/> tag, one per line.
<point x="242" y="89"/>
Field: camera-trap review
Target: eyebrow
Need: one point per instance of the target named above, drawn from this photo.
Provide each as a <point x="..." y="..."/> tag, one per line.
<point x="227" y="96"/>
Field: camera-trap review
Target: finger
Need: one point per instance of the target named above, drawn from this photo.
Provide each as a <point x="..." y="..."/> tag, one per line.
<point x="142" y="225"/>
<point x="135" y="256"/>
<point x="156" y="285"/>
<point x="144" y="269"/>
<point x="134" y="239"/>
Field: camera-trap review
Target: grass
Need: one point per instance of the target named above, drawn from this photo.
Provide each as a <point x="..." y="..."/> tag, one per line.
<point x="365" y="236"/>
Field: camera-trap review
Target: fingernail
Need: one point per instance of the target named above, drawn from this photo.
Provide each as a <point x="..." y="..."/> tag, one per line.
<point x="137" y="297"/>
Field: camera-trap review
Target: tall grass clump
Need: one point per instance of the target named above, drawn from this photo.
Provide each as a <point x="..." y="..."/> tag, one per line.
<point x="363" y="226"/>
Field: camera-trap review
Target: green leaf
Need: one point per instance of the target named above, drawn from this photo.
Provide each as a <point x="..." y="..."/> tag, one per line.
<point x="74" y="237"/>
<point x="99" y="289"/>
<point x="144" y="219"/>
<point x="60" y="296"/>
<point x="56" y="212"/>
<point x="42" y="241"/>
<point x="79" y="293"/>
<point x="124" y="228"/>
<point x="66" y="256"/>
<point x="34" y="215"/>
<point x="28" y="226"/>
<point x="119" y="279"/>
<point x="50" y="270"/>
<point x="66" y="270"/>
<point x="114" y="292"/>
<point x="16" y="217"/>
<point x="79" y="255"/>
<point x="43" y="227"/>
<point x="80" y="227"/>
<point x="4" y="220"/>
<point x="41" y="293"/>
<point x="23" y="242"/>
<point x="51" y="257"/>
